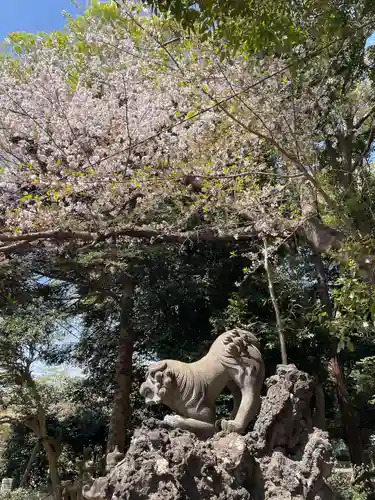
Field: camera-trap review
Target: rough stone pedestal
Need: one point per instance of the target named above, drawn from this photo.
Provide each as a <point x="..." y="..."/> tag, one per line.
<point x="283" y="458"/>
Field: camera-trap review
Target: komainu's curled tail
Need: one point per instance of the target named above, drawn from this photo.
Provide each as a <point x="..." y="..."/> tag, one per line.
<point x="238" y="350"/>
<point x="237" y="347"/>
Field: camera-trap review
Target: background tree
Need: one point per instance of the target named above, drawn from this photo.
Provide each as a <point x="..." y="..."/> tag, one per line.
<point x="25" y="336"/>
<point x="255" y="27"/>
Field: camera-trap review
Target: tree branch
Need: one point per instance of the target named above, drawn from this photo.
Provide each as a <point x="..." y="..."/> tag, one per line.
<point x="288" y="156"/>
<point x="8" y="420"/>
<point x="364" y="118"/>
<point x="271" y="287"/>
<point x="13" y="247"/>
<point x="58" y="234"/>
<point x="131" y="232"/>
<point x="367" y="147"/>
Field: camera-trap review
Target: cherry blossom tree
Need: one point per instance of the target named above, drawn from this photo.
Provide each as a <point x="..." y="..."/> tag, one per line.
<point x="100" y="126"/>
<point x="126" y="126"/>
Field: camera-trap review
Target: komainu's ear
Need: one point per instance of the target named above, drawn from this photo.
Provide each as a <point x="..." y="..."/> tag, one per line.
<point x="168" y="377"/>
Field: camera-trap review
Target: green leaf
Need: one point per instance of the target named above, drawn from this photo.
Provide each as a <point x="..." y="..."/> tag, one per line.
<point x="350" y="345"/>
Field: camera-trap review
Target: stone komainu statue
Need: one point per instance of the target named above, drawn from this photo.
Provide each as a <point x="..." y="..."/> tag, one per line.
<point x="191" y="389"/>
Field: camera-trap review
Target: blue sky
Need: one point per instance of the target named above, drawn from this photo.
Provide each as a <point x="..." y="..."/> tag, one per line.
<point x="34" y="15"/>
<point x="371" y="40"/>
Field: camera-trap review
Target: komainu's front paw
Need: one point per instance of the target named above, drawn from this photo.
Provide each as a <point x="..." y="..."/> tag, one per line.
<point x="231" y="426"/>
<point x="174" y="421"/>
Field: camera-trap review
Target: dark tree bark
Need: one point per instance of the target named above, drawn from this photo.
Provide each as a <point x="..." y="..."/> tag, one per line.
<point x="320" y="408"/>
<point x="350" y="417"/>
<point x="121" y="405"/>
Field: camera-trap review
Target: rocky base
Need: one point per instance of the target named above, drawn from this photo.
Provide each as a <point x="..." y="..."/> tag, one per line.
<point x="283" y="458"/>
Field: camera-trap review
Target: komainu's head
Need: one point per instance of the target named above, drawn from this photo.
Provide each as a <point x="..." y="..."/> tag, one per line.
<point x="158" y="383"/>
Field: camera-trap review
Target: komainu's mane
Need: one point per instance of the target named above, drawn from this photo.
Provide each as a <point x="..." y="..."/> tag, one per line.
<point x="193" y="388"/>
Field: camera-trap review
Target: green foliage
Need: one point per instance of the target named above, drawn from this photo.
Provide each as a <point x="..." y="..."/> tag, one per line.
<point x="86" y="424"/>
<point x="22" y="42"/>
<point x="255" y="26"/>
<point x="353" y="298"/>
<point x="235" y="314"/>
<point x="107" y="11"/>
<point x="341" y="484"/>
<point x="27" y="335"/>
<point x="15" y="454"/>
<point x="363" y="374"/>
<point x="20" y="494"/>
<point x="77" y="417"/>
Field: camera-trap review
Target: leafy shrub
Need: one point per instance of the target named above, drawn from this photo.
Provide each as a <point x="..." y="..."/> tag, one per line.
<point x="20" y="494"/>
<point x="341" y="484"/>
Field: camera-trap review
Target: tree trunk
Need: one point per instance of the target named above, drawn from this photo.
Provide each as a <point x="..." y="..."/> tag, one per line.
<point x="53" y="456"/>
<point x="123" y="378"/>
<point x="271" y="288"/>
<point x="350" y="417"/>
<point x="52" y="447"/>
<point x="30" y="462"/>
<point x="320" y="408"/>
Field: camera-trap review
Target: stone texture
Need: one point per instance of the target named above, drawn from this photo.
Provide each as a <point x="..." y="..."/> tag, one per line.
<point x="283" y="458"/>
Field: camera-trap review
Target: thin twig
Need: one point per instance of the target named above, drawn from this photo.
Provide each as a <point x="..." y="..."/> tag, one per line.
<point x="275" y="304"/>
